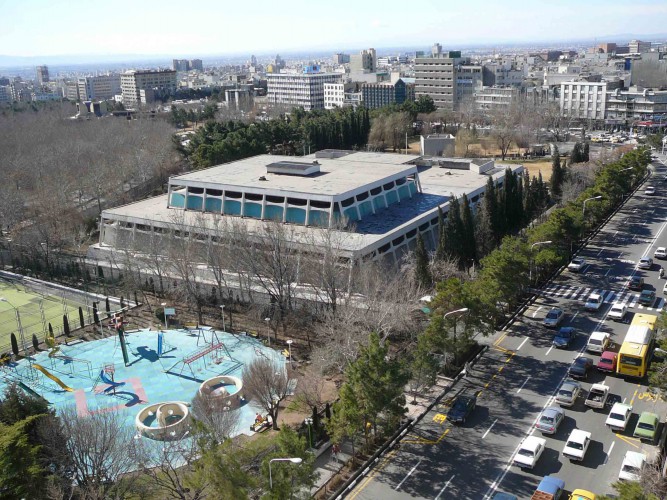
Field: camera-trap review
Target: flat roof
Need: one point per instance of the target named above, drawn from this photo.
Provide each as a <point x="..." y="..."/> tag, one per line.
<point x="336" y="178"/>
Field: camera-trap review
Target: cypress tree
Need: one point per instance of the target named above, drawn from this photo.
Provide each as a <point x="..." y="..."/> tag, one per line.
<point x="422" y="273"/>
<point x="484" y="235"/>
<point x="440" y="252"/>
<point x="557" y="175"/>
<point x="468" y="244"/>
<point x="454" y="231"/>
<point x="586" y="153"/>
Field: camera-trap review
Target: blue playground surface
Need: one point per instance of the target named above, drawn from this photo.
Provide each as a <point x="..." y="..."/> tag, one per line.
<point x="92" y="376"/>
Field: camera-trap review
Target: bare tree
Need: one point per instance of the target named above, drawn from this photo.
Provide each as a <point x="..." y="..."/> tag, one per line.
<point x="266" y="382"/>
<point x="220" y="421"/>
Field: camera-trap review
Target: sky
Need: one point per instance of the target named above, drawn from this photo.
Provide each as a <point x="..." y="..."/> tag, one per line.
<point x="201" y="27"/>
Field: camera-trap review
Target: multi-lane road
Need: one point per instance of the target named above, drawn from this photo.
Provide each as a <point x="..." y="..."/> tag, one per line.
<point x="520" y="373"/>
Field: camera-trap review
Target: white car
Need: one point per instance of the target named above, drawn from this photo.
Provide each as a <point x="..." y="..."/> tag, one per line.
<point x="645" y="263"/>
<point x="660" y="253"/>
<point x="618" y="311"/>
<point x="619" y="416"/>
<point x="554" y="317"/>
<point x="632" y="466"/>
<point x="577" y="445"/>
<point x="577" y="264"/>
<point x="650" y="190"/>
<point x="529" y="452"/>
<point x="598" y="342"/>
<point x="594" y="302"/>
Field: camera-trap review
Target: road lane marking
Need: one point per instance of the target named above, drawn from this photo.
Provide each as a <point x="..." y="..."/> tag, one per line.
<point x="632" y="401"/>
<point x="627" y="440"/>
<point x="607" y="272"/>
<point x="549" y="350"/>
<point x="408" y="474"/>
<point x="500" y="339"/>
<point x="489" y="429"/>
<point x="601" y="250"/>
<point x="537" y="310"/>
<point x="615" y="234"/>
<point x="574" y="317"/>
<point x="520" y="346"/>
<point x="445" y="487"/>
<point x="523" y="385"/>
<point x="609" y="452"/>
<point x="370" y="477"/>
<point x="620" y="254"/>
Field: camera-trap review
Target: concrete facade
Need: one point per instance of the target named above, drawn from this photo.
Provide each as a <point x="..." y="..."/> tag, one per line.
<point x="583" y="100"/>
<point x="98" y="87"/>
<point x="435" y="76"/>
<point x="299" y="89"/>
<point x="134" y="84"/>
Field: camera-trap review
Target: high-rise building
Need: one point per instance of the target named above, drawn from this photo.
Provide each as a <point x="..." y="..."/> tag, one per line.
<point x="299" y="89"/>
<point x="341" y="58"/>
<point x="364" y="62"/>
<point x="583" y="100"/>
<point x="180" y="65"/>
<point x="435" y="76"/>
<point x="5" y="93"/>
<point x="141" y="87"/>
<point x="42" y="74"/>
<point x="253" y="60"/>
<point x="377" y="95"/>
<point x="196" y="64"/>
<point x="638" y="47"/>
<point x="100" y="87"/>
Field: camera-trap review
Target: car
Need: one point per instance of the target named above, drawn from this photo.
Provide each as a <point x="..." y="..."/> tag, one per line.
<point x="645" y="263"/>
<point x="564" y="338"/>
<point x="594" y="302"/>
<point x="577" y="444"/>
<point x="462" y="407"/>
<point x="577" y="264"/>
<point x="631" y="468"/>
<point x="664" y="289"/>
<point x="568" y="393"/>
<point x="530" y="452"/>
<point x="647" y="298"/>
<point x="660" y="253"/>
<point x="647" y="426"/>
<point x="549" y="420"/>
<point x="579" y="494"/>
<point x="618" y="311"/>
<point x="580" y="367"/>
<point x="551" y="488"/>
<point x="554" y="317"/>
<point x="619" y="416"/>
<point x="607" y="362"/>
<point x="636" y="283"/>
<point x="650" y="190"/>
<point x="598" y="342"/>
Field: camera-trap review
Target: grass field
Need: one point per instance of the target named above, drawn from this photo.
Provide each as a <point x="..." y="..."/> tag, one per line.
<point x="35" y="311"/>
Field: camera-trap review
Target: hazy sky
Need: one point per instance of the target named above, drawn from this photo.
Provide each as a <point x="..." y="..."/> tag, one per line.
<point x="200" y="27"/>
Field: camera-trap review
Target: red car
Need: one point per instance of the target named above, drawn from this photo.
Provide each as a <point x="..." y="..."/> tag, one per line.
<point x="607" y="362"/>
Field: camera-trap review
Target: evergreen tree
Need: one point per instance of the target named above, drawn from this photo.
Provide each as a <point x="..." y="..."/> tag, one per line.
<point x="468" y="244"/>
<point x="484" y="235"/>
<point x="557" y="176"/>
<point x="454" y="231"/>
<point x="422" y="273"/>
<point x="586" y="153"/>
<point x="441" y="252"/>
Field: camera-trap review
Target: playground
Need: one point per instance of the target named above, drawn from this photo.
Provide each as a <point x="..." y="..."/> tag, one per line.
<point x="149" y="376"/>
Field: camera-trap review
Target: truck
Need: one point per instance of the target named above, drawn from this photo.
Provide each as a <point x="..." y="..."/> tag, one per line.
<point x="597" y="396"/>
<point x="550" y="488"/>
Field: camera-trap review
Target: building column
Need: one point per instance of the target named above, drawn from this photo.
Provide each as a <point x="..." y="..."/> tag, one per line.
<point x="242" y="205"/>
<point x="222" y="205"/>
<point x="203" y="200"/>
<point x="187" y="194"/>
<point x="307" y="219"/>
<point x="285" y="210"/>
<point x="261" y="216"/>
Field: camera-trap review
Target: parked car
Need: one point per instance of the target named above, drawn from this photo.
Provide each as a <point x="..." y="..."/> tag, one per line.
<point x="618" y="311"/>
<point x="597" y="396"/>
<point x="554" y="317"/>
<point x="631" y="468"/>
<point x="607" y="362"/>
<point x="550" y="488"/>
<point x="579" y="494"/>
<point x="650" y="190"/>
<point x="568" y="393"/>
<point x="647" y="426"/>
<point x="660" y="253"/>
<point x="580" y="367"/>
<point x="645" y="263"/>
<point x="647" y="297"/>
<point x="564" y="337"/>
<point x="550" y="419"/>
<point x="619" y="416"/>
<point x="530" y="452"/>
<point x="594" y="302"/>
<point x="577" y="445"/>
<point x="664" y="289"/>
<point x="636" y="283"/>
<point x="462" y="407"/>
<point x="598" y="342"/>
<point x="577" y="264"/>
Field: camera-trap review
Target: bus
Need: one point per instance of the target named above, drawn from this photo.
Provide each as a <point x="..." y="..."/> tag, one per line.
<point x="635" y="354"/>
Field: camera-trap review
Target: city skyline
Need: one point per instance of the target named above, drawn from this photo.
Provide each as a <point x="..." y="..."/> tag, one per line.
<point x="47" y="29"/>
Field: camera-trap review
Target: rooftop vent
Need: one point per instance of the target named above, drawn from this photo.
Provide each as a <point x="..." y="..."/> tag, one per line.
<point x="301" y="169"/>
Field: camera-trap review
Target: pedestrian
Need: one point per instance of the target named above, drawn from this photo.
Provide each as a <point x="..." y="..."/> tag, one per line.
<point x="335" y="450"/>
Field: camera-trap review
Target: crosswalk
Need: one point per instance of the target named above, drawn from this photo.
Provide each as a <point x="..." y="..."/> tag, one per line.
<point x="581" y="293"/>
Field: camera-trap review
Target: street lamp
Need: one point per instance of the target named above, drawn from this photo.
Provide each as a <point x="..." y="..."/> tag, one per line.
<point x="530" y="260"/>
<point x="268" y="330"/>
<point x="289" y="348"/>
<point x="309" y="423"/>
<point x="456" y="311"/>
<point x="462" y="310"/>
<point x="295" y="460"/>
<point x="18" y="322"/>
<point x="222" y="311"/>
<point x="586" y="201"/>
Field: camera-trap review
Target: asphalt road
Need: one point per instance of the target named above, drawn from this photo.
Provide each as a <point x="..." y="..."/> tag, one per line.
<point x="520" y="374"/>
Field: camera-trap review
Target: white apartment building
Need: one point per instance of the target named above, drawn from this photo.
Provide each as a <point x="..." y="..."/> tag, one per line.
<point x="299" y="89"/>
<point x="98" y="87"/>
<point x="132" y="83"/>
<point x="584" y="100"/>
<point x="334" y="95"/>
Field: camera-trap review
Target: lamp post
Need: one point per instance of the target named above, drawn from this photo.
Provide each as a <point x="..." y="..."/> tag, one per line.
<point x="164" y="313"/>
<point x="222" y="311"/>
<point x="456" y="311"/>
<point x="289" y="348"/>
<point x="309" y="423"/>
<point x="530" y="260"/>
<point x="583" y="213"/>
<point x="295" y="460"/>
<point x="18" y="322"/>
<point x="268" y="330"/>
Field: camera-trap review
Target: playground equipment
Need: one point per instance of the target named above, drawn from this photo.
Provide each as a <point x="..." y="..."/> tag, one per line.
<point x="162" y="345"/>
<point x="215" y="389"/>
<point x="106" y="376"/>
<point x="261" y="423"/>
<point x="164" y="421"/>
<point x="216" y="350"/>
<point x="117" y="323"/>
<point x="52" y="377"/>
<point x="68" y="360"/>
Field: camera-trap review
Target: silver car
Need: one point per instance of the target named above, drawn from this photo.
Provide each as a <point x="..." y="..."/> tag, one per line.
<point x="554" y="317"/>
<point x="568" y="393"/>
<point x="550" y="420"/>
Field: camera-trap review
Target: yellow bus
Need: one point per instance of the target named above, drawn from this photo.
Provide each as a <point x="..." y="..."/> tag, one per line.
<point x="636" y="350"/>
<point x="648" y="320"/>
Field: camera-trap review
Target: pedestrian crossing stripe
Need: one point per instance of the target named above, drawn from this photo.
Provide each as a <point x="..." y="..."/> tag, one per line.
<point x="627" y="297"/>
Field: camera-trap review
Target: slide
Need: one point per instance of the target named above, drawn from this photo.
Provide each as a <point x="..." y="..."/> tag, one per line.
<point x="52" y="377"/>
<point x="105" y="378"/>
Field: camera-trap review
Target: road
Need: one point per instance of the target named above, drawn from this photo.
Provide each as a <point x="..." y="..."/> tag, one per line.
<point x="520" y="374"/>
